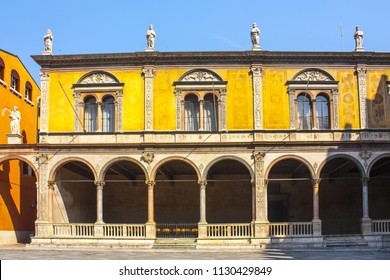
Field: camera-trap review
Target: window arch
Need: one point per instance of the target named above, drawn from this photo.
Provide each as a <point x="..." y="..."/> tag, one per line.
<point x="191" y="112"/>
<point x="104" y="114"/>
<point x="15" y="83"/>
<point x="2" y="67"/>
<point x="320" y="110"/>
<point x="210" y="114"/>
<point x="304" y="112"/>
<point x="108" y="116"/>
<point x="90" y="114"/>
<point x="28" y="93"/>
<point x="200" y="101"/>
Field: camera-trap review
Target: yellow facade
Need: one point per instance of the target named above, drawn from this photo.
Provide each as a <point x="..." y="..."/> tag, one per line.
<point x="17" y="181"/>
<point x="239" y="100"/>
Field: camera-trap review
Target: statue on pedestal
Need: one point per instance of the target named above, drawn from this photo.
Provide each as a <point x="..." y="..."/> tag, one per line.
<point x="255" y="37"/>
<point x="358" y="39"/>
<point x="15" y="119"/>
<point x="150" y="37"/>
<point x="48" y="42"/>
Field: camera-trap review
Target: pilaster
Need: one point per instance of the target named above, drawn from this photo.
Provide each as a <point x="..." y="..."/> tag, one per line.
<point x="260" y="221"/>
<point x="148" y="72"/>
<point x="257" y="96"/>
<point x="291" y="99"/>
<point x="43" y="226"/>
<point x="44" y="105"/>
<point x="361" y="71"/>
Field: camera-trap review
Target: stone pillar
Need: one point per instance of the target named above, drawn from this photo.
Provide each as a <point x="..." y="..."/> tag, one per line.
<point x="148" y="72"/>
<point x="178" y="109"/>
<point x="335" y="102"/>
<point x="291" y="98"/>
<point x="314" y="115"/>
<point x="151" y="224"/>
<point x="119" y="95"/>
<point x="366" y="221"/>
<point x="99" y="121"/>
<point x="44" y="106"/>
<point x="361" y="71"/>
<point x="316" y="208"/>
<point x="202" y="225"/>
<point x="50" y="187"/>
<point x="42" y="225"/>
<point x="222" y="110"/>
<point x="201" y="115"/>
<point x="99" y="201"/>
<point x="260" y="221"/>
<point x="257" y="96"/>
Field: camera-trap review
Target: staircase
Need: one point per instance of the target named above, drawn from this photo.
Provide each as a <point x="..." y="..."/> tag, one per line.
<point x="344" y="241"/>
<point x="175" y="243"/>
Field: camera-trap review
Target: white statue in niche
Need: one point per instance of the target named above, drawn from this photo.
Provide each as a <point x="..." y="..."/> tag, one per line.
<point x="255" y="37"/>
<point x="48" y="40"/>
<point x="15" y="119"/>
<point x="150" y="37"/>
<point x="358" y="39"/>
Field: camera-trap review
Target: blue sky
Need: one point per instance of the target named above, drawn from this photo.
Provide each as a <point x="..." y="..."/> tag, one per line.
<point x="111" y="26"/>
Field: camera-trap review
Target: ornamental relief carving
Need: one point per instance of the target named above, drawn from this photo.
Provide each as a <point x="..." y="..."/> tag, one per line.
<point x="98" y="78"/>
<point x="200" y="76"/>
<point x="312" y="76"/>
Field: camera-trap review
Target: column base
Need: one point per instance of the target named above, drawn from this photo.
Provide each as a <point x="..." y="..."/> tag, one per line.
<point x="261" y="229"/>
<point x="150" y="230"/>
<point x="366" y="226"/>
<point x="317" y="227"/>
<point x="202" y="230"/>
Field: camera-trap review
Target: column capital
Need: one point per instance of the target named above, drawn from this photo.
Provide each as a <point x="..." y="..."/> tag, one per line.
<point x="150" y="183"/>
<point x="365" y="180"/>
<point x="148" y="71"/>
<point x="99" y="184"/>
<point x="256" y="69"/>
<point x="258" y="156"/>
<point x="50" y="185"/>
<point x="202" y="182"/>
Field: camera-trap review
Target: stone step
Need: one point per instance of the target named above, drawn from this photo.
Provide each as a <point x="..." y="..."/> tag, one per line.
<point x="175" y="243"/>
<point x="345" y="241"/>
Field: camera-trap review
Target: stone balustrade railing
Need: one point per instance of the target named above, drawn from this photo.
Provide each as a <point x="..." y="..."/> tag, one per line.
<point x="109" y="230"/>
<point x="380" y="226"/>
<point x="229" y="230"/>
<point x="291" y="229"/>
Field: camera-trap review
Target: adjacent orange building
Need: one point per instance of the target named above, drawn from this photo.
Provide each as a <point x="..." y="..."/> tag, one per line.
<point x="17" y="176"/>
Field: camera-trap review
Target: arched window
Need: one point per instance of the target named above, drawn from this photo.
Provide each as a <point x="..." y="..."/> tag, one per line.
<point x="210" y="114"/>
<point x="191" y="112"/>
<point x="304" y="112"/>
<point x="90" y="114"/>
<point x="2" y="67"/>
<point x="28" y="93"/>
<point x="322" y="112"/>
<point x="108" y="117"/>
<point x="15" y="81"/>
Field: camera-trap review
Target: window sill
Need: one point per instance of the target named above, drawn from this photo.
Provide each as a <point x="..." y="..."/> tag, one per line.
<point x="17" y="93"/>
<point x="29" y="101"/>
<point x="3" y="83"/>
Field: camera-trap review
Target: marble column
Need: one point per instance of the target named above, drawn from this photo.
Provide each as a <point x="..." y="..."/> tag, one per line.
<point x="151" y="224"/>
<point x="50" y="189"/>
<point x="316" y="208"/>
<point x="99" y="201"/>
<point x="202" y="225"/>
<point x="366" y="221"/>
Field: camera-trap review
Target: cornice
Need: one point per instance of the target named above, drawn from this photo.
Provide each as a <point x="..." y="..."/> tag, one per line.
<point x="219" y="57"/>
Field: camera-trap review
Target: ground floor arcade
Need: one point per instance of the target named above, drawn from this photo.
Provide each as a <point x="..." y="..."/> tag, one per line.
<point x="252" y="198"/>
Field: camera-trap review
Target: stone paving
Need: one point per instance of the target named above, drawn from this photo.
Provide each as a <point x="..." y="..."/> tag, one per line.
<point x="22" y="252"/>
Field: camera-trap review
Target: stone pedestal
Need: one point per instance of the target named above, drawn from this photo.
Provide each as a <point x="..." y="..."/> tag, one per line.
<point x="149" y="49"/>
<point x="366" y="226"/>
<point x="316" y="227"/>
<point x="359" y="50"/>
<point x="202" y="230"/>
<point x="47" y="53"/>
<point x="150" y="230"/>
<point x="14" y="138"/>
<point x="261" y="229"/>
<point x="98" y="230"/>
